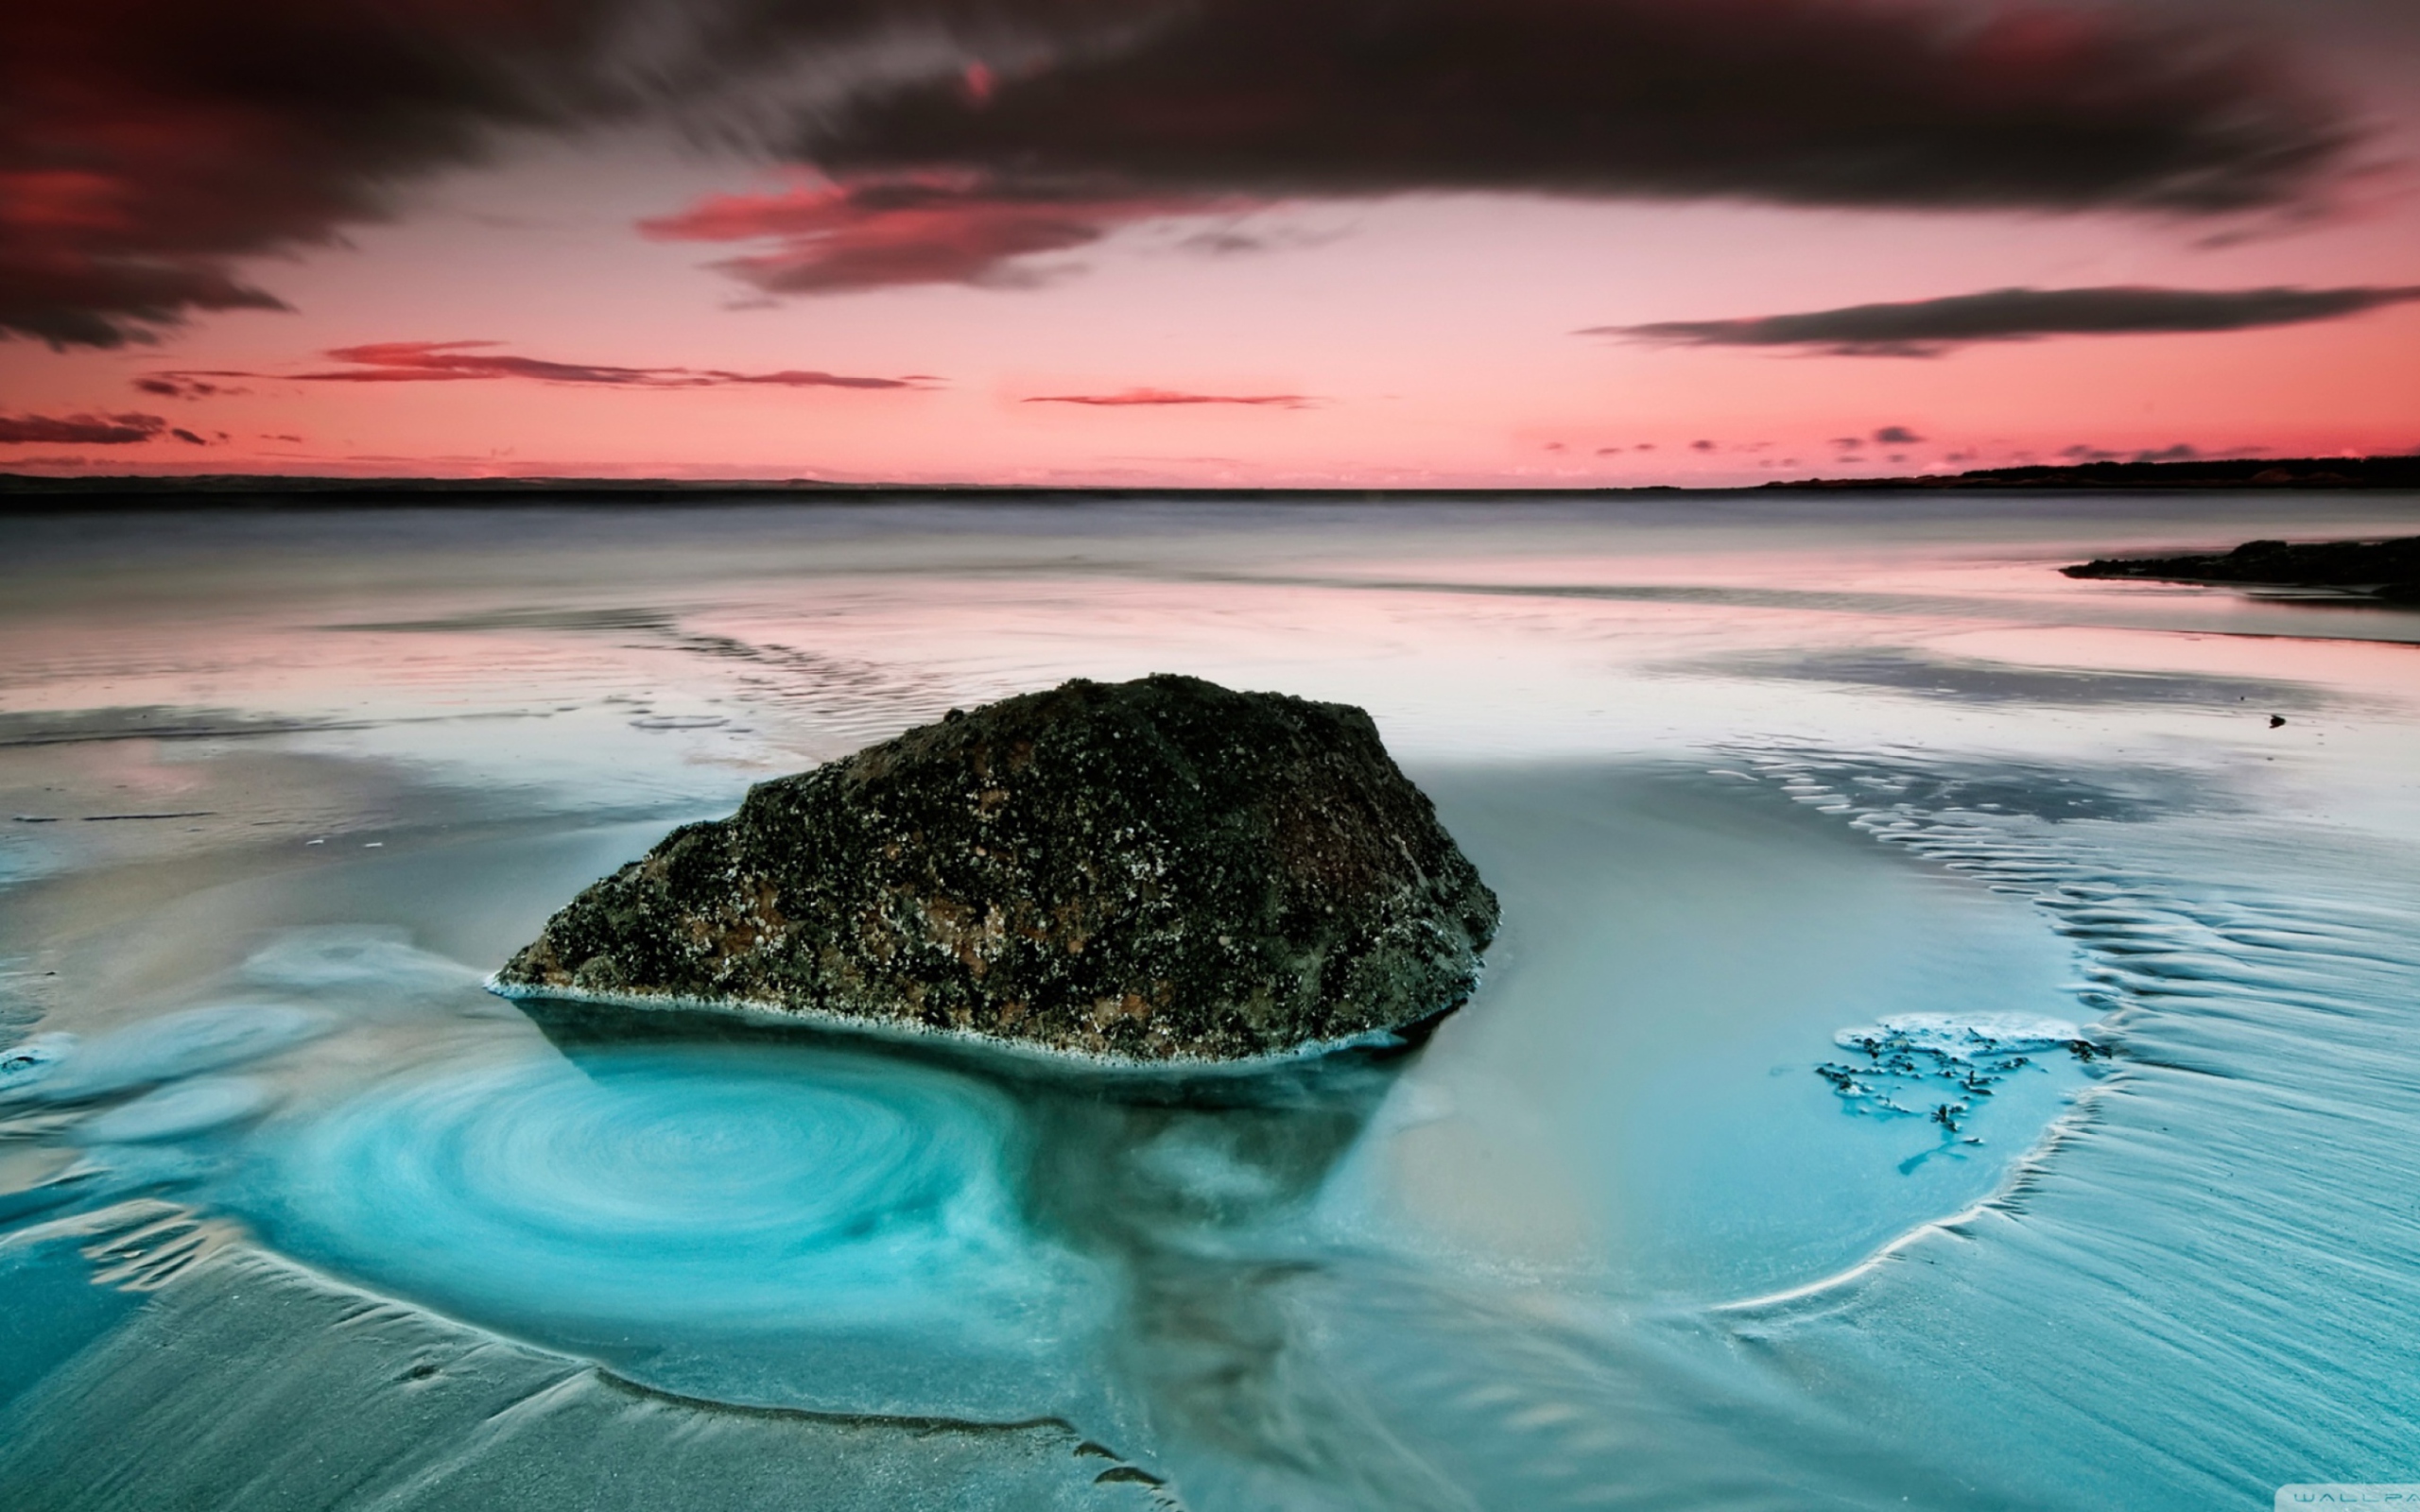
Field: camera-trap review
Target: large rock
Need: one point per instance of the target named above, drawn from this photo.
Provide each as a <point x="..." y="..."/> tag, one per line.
<point x="1152" y="871"/>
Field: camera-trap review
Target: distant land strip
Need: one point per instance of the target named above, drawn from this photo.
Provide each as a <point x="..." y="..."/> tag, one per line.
<point x="2237" y="473"/>
<point x="27" y="493"/>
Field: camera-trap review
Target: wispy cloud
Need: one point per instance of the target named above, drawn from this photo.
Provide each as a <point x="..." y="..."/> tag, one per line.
<point x="1168" y="396"/>
<point x="178" y="385"/>
<point x="836" y="238"/>
<point x="2180" y="452"/>
<point x="408" y="362"/>
<point x="1928" y="328"/>
<point x="79" y="430"/>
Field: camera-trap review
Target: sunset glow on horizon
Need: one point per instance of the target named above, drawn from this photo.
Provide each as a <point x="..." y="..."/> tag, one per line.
<point x="1426" y="242"/>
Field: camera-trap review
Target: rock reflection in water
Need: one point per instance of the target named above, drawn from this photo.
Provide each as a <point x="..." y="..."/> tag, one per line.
<point x="1185" y="1195"/>
<point x="1200" y="1193"/>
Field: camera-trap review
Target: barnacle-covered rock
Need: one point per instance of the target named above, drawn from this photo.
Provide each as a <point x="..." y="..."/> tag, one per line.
<point x="1156" y="871"/>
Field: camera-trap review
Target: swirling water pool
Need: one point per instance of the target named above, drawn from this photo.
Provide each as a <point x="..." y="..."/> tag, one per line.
<point x="1945" y="1048"/>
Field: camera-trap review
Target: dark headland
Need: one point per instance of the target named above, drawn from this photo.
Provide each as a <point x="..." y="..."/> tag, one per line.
<point x="2381" y="571"/>
<point x="26" y="493"/>
<point x="1162" y="871"/>
<point x="2215" y="472"/>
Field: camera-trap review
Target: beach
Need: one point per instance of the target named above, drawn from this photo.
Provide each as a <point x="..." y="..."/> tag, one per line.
<point x="1950" y="1041"/>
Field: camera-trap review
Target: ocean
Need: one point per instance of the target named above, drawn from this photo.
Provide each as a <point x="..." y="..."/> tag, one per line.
<point x="1954" y="1039"/>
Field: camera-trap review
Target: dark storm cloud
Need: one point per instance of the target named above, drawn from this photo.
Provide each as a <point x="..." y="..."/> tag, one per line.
<point x="1927" y="328"/>
<point x="147" y="142"/>
<point x="1154" y="397"/>
<point x="148" y="145"/>
<point x="1805" y="101"/>
<point x="1813" y="102"/>
<point x="78" y="430"/>
<point x="420" y="362"/>
<point x="1896" y="435"/>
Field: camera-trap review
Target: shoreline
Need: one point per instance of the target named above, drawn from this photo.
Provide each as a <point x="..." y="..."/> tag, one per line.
<point x="37" y="493"/>
<point x="672" y="1011"/>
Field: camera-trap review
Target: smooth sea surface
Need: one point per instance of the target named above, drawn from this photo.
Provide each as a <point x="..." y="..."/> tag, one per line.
<point x="1950" y="1045"/>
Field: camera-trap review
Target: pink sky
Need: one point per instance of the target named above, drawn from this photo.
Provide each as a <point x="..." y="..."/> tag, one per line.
<point x="893" y="303"/>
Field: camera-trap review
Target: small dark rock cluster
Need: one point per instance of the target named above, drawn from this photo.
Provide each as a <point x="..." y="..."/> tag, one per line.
<point x="1157" y="871"/>
<point x="2386" y="571"/>
<point x="1896" y="1062"/>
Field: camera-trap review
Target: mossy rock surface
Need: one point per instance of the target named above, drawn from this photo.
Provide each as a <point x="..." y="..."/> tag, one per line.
<point x="1156" y="871"/>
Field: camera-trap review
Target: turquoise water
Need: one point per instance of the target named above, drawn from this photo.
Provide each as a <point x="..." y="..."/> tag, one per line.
<point x="1945" y="1047"/>
<point x="769" y="1226"/>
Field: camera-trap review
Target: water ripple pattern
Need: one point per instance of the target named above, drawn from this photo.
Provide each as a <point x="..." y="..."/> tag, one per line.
<point x="663" y="1194"/>
<point x="2227" y="1242"/>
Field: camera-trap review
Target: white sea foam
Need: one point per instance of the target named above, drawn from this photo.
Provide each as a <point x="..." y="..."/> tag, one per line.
<point x="356" y="960"/>
<point x="158" y="1050"/>
<point x="190" y="1107"/>
<point x="25" y="1066"/>
<point x="1962" y="1036"/>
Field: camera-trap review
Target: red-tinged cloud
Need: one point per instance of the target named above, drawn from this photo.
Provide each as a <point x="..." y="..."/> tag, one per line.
<point x="1165" y="395"/>
<point x="421" y="362"/>
<point x="1930" y="328"/>
<point x="146" y="144"/>
<point x="148" y="148"/>
<point x="1221" y="105"/>
<point x="78" y="430"/>
<point x="888" y="232"/>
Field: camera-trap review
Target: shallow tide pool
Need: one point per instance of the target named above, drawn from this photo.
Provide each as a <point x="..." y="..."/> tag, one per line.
<point x="1948" y="1046"/>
